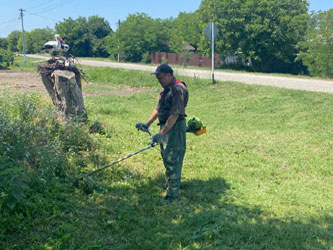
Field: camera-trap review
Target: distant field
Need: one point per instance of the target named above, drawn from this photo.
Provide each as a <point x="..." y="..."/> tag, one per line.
<point x="260" y="178"/>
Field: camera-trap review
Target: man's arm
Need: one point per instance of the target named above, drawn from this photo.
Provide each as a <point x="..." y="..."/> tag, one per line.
<point x="152" y="117"/>
<point x="169" y="124"/>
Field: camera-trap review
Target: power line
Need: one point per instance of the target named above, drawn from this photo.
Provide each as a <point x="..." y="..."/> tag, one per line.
<point x="10" y="26"/>
<point x="39" y="5"/>
<point x="49" y="9"/>
<point x="65" y="2"/>
<point x="9" y="21"/>
<point x="34" y="14"/>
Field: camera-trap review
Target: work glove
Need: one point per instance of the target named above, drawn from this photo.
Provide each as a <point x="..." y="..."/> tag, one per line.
<point x="142" y="126"/>
<point x="156" y="139"/>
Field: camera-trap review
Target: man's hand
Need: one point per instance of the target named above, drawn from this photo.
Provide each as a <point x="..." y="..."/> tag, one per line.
<point x="156" y="139"/>
<point x="142" y="126"/>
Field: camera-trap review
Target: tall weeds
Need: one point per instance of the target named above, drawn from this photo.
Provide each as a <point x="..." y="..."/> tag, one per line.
<point x="37" y="155"/>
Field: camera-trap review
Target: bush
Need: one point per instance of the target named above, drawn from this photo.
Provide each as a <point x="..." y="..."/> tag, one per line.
<point x="6" y="58"/>
<point x="146" y="58"/>
<point x="37" y="153"/>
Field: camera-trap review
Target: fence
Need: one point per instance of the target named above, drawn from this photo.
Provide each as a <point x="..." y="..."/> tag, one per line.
<point x="193" y="59"/>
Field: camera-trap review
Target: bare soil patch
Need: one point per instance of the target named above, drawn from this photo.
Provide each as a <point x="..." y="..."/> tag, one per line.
<point x="29" y="82"/>
<point x="20" y="82"/>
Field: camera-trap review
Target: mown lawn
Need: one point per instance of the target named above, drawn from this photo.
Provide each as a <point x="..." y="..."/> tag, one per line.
<point x="260" y="178"/>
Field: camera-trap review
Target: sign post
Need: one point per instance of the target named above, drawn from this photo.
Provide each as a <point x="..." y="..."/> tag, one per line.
<point x="211" y="32"/>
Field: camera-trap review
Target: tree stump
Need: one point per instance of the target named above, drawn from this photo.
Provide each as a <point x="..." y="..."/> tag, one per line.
<point x="63" y="85"/>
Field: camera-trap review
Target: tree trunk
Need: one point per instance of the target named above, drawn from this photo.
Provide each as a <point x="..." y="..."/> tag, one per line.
<point x="66" y="94"/>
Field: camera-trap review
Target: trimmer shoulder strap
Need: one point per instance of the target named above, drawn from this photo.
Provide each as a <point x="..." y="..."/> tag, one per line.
<point x="179" y="82"/>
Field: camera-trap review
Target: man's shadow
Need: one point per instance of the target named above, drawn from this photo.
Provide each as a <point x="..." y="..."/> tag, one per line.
<point x="207" y="215"/>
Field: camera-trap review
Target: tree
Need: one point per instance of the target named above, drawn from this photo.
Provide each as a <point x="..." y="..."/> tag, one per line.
<point x="13" y="38"/>
<point x="35" y="39"/>
<point x="137" y="35"/>
<point x="75" y="33"/>
<point x="85" y="37"/>
<point x="317" y="49"/>
<point x="263" y="31"/>
<point x="39" y="37"/>
<point x="3" y="43"/>
<point x="98" y="29"/>
<point x="185" y="29"/>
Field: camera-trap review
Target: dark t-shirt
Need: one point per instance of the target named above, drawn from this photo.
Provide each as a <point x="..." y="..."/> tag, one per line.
<point x="173" y="101"/>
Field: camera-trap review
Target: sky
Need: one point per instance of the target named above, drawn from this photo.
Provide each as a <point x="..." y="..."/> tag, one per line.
<point x="46" y="13"/>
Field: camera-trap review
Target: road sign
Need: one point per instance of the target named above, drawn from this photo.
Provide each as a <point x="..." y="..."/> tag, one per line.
<point x="210" y="30"/>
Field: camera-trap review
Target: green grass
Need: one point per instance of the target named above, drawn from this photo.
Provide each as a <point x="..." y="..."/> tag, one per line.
<point x="260" y="178"/>
<point x="30" y="65"/>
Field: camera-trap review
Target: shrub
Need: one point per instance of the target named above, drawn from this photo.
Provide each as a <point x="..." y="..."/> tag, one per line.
<point x="146" y="58"/>
<point x="6" y="58"/>
<point x="36" y="153"/>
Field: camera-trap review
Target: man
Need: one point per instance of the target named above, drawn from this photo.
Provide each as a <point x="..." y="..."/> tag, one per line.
<point x="170" y="112"/>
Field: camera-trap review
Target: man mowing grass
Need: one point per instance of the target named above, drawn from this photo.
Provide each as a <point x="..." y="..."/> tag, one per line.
<point x="170" y="112"/>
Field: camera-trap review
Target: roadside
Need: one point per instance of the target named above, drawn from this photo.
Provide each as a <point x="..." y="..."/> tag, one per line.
<point x="314" y="85"/>
<point x="12" y="81"/>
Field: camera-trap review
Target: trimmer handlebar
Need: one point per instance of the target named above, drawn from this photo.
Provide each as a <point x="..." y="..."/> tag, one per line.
<point x="142" y="127"/>
<point x="147" y="131"/>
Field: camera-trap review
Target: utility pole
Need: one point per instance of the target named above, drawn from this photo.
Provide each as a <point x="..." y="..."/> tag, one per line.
<point x="21" y="15"/>
<point x="118" y="41"/>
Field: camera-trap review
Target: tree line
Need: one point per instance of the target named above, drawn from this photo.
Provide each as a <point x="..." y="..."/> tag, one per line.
<point x="265" y="35"/>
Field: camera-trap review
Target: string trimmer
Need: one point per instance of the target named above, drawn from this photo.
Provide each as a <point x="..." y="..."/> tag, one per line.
<point x="87" y="183"/>
<point x="194" y="125"/>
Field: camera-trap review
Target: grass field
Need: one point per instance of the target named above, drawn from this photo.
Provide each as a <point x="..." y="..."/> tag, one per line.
<point x="260" y="178"/>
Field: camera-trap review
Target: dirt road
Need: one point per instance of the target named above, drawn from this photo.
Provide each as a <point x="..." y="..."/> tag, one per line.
<point x="314" y="85"/>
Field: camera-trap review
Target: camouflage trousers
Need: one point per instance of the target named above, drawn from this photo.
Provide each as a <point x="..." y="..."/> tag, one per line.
<point x="173" y="149"/>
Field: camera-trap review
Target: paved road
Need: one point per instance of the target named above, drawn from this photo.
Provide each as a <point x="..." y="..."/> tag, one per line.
<point x="314" y="85"/>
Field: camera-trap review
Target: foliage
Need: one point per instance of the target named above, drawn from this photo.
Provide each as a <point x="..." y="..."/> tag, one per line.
<point x="36" y="155"/>
<point x="85" y="37"/>
<point x="13" y="38"/>
<point x="98" y="29"/>
<point x="185" y="29"/>
<point x="35" y="39"/>
<point x="146" y="58"/>
<point x="186" y="57"/>
<point x="3" y="43"/>
<point x="264" y="32"/>
<point x="137" y="35"/>
<point x="6" y="58"/>
<point x="317" y="50"/>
